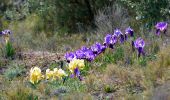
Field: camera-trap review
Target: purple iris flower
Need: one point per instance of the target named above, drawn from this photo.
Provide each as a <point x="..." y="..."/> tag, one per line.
<point x="76" y="74"/>
<point x="119" y="34"/>
<point x="161" y="27"/>
<point x="101" y="47"/>
<point x="97" y="48"/>
<point x="107" y="40"/>
<point x="129" y="31"/>
<point x="110" y="40"/>
<point x="113" y="41"/>
<point x="139" y="44"/>
<point x="90" y="56"/>
<point x="80" y="54"/>
<point x="5" y="32"/>
<point x="69" y="56"/>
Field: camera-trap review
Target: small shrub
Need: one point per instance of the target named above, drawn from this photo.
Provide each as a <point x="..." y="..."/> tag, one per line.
<point x="14" y="71"/>
<point x="109" y="89"/>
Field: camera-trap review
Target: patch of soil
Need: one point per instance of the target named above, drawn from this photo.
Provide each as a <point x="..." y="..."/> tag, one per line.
<point x="39" y="58"/>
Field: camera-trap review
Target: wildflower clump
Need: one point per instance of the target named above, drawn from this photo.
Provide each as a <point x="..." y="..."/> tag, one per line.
<point x="76" y="59"/>
<point x="36" y="75"/>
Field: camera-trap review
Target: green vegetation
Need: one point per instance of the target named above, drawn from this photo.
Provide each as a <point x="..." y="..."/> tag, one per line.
<point x="9" y="50"/>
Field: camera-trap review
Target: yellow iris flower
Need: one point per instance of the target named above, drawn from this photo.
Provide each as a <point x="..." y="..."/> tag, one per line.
<point x="35" y="75"/>
<point x="76" y="63"/>
<point x="55" y="73"/>
<point x="55" y="70"/>
<point x="61" y="73"/>
<point x="49" y="74"/>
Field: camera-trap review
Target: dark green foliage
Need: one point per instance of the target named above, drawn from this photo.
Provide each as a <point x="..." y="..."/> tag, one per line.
<point x="4" y="5"/>
<point x="55" y="15"/>
<point x="14" y="9"/>
<point x="68" y="14"/>
<point x="148" y="12"/>
<point x="9" y="50"/>
<point x="78" y="15"/>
